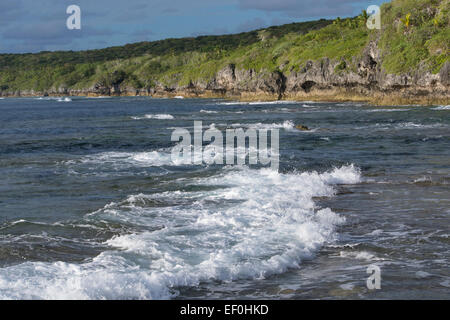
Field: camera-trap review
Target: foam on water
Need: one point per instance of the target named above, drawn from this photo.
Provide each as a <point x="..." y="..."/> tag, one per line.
<point x="442" y="108"/>
<point x="387" y="110"/>
<point x="60" y="99"/>
<point x="66" y="99"/>
<point x="272" y="102"/>
<point x="401" y="126"/>
<point x="258" y="103"/>
<point x="287" y="125"/>
<point x="412" y="125"/>
<point x="155" y="116"/>
<point x="359" y="255"/>
<point x="249" y="225"/>
<point x="230" y="103"/>
<point x="126" y="159"/>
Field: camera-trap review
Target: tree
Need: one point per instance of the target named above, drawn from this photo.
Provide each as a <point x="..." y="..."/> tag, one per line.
<point x="365" y="16"/>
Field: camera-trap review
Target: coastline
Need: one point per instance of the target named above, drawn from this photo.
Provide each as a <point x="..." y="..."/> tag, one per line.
<point x="318" y="83"/>
<point x="332" y="61"/>
<point x="376" y="99"/>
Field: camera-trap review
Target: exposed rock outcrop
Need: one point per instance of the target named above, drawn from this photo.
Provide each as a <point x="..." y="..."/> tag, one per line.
<point x="362" y="78"/>
<point x="301" y="127"/>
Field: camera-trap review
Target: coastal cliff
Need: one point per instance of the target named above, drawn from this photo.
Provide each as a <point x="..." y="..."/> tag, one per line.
<point x="340" y="60"/>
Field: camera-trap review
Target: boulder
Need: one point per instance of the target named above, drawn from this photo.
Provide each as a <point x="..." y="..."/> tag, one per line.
<point x="301" y="127"/>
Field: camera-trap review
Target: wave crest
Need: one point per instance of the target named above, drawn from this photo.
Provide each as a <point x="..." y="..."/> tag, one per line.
<point x="245" y="224"/>
<point x="155" y="116"/>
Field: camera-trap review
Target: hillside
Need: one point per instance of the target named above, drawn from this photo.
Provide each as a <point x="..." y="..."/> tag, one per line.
<point x="407" y="61"/>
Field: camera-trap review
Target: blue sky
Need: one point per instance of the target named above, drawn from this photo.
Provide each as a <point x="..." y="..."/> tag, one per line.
<point x="37" y="25"/>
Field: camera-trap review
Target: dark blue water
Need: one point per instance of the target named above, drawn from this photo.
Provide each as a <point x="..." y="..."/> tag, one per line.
<point x="92" y="207"/>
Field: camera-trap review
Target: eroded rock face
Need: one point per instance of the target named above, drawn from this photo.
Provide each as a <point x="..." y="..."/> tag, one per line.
<point x="363" y="77"/>
<point x="444" y="74"/>
<point x="101" y="89"/>
<point x="233" y="80"/>
<point x="225" y="78"/>
<point x="369" y="78"/>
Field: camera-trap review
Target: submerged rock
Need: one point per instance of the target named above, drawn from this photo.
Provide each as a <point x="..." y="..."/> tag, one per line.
<point x="302" y="127"/>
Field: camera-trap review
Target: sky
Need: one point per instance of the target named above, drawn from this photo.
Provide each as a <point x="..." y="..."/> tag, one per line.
<point x="40" y="25"/>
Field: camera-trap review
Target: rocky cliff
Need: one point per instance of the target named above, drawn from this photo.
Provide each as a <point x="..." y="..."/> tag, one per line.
<point x="363" y="80"/>
<point x="402" y="63"/>
<point x="324" y="79"/>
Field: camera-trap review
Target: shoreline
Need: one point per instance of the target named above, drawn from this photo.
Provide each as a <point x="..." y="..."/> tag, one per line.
<point x="377" y="99"/>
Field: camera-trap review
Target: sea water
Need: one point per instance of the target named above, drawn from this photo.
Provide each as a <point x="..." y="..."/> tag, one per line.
<point x="93" y="207"/>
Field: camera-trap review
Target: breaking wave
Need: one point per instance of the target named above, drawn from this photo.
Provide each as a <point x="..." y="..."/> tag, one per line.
<point x="246" y="224"/>
<point x="287" y="125"/>
<point x="442" y="108"/>
<point x="123" y="160"/>
<point x="155" y="116"/>
<point x="66" y="99"/>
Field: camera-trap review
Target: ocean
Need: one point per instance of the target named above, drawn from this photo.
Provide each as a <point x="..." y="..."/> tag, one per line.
<point x="93" y="207"/>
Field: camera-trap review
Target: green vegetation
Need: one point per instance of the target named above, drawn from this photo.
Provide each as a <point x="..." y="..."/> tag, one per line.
<point x="415" y="33"/>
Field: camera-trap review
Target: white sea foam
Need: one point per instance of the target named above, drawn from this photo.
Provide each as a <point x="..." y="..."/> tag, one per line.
<point x="287" y="110"/>
<point x="287" y="125"/>
<point x="423" y="179"/>
<point x="50" y="98"/>
<point x="247" y="224"/>
<point x="121" y="160"/>
<point x="387" y="110"/>
<point x="66" y="99"/>
<point x="155" y="116"/>
<point x="272" y="102"/>
<point x="412" y="125"/>
<point x="257" y="102"/>
<point x="231" y="103"/>
<point x="401" y="125"/>
<point x="359" y="255"/>
<point x="208" y="111"/>
<point x="442" y="108"/>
